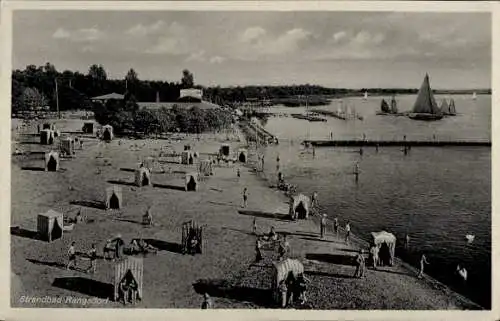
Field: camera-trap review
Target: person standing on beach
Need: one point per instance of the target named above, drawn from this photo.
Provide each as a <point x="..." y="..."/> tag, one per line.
<point x="323" y="226"/>
<point x="374" y="255"/>
<point x="207" y="302"/>
<point x="407" y="242"/>
<point x="71" y="256"/>
<point x="347" y="231"/>
<point x="254" y="226"/>
<point x="423" y="261"/>
<point x="238" y="173"/>
<point x="93" y="259"/>
<point x="336" y="227"/>
<point x="258" y="252"/>
<point x="360" y="265"/>
<point x="245" y="197"/>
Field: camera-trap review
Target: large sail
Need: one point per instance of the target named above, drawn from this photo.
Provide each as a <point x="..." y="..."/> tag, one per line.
<point x="444" y="107"/>
<point x="366" y="95"/>
<point x="425" y="103"/>
<point x="394" y="105"/>
<point x="452" y="107"/>
<point x="384" y="107"/>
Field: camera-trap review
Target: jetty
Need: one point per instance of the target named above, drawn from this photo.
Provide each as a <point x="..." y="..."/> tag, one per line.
<point x="329" y="113"/>
<point x="408" y="143"/>
<point x="254" y="131"/>
<point x="308" y="117"/>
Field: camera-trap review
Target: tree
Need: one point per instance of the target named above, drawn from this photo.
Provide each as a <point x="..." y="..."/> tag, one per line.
<point x="131" y="76"/>
<point x="32" y="99"/>
<point x="187" y="80"/>
<point x="97" y="72"/>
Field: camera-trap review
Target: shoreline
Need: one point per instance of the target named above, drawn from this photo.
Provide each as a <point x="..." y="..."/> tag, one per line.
<point x="358" y="242"/>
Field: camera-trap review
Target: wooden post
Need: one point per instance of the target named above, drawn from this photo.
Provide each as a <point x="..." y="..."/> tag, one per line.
<point x="57" y="100"/>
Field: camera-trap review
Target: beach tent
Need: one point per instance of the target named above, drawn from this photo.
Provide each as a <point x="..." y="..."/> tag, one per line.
<point x="143" y="177"/>
<point x="46" y="137"/>
<point x="191" y="182"/>
<point x="299" y="207"/>
<point x="51" y="161"/>
<point x="107" y="132"/>
<point x="242" y="155"/>
<point x="187" y="157"/>
<point x="206" y="168"/>
<point x="88" y="128"/>
<point x="50" y="225"/>
<point x="67" y="146"/>
<point x="114" y="197"/>
<point x="57" y="133"/>
<point x="224" y="150"/>
<point x="281" y="271"/>
<point x="128" y="269"/>
<point x="187" y="147"/>
<point x="386" y="244"/>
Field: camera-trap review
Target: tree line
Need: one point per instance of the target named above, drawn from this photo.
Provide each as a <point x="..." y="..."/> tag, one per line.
<point x="35" y="86"/>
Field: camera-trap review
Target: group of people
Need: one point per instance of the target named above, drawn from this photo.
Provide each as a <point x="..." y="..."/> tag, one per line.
<point x="336" y="228"/>
<point x="293" y="288"/>
<point x="128" y="290"/>
<point x="92" y="256"/>
<point x="272" y="236"/>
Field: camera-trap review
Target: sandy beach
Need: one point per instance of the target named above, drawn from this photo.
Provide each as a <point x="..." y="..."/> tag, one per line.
<point x="171" y="279"/>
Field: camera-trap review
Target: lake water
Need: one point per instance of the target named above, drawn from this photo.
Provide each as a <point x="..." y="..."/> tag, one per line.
<point x="437" y="195"/>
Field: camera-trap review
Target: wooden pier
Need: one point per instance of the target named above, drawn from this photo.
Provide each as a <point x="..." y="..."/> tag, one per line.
<point x="402" y="143"/>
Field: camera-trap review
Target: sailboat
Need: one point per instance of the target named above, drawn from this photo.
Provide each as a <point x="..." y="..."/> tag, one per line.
<point x="366" y="96"/>
<point x="384" y="108"/>
<point x="451" y="108"/>
<point x="425" y="107"/>
<point x="444" y="107"/>
<point x="394" y="105"/>
<point x="474" y="96"/>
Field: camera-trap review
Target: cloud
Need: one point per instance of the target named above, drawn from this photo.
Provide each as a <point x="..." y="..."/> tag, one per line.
<point x="256" y="43"/>
<point x="141" y="30"/>
<point x="252" y="34"/>
<point x="61" y="33"/>
<point x="338" y="36"/>
<point x="217" y="60"/>
<point x="197" y="56"/>
<point x="175" y="40"/>
<point x="80" y="35"/>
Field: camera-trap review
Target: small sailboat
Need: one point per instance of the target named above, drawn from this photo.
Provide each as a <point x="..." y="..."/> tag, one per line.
<point x="444" y="107"/>
<point x="425" y="107"/>
<point x="474" y="96"/>
<point x="394" y="106"/>
<point x="365" y="96"/>
<point x="451" y="108"/>
<point x="384" y="108"/>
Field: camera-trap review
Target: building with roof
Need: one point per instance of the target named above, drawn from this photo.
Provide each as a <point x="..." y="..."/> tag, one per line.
<point x="104" y="98"/>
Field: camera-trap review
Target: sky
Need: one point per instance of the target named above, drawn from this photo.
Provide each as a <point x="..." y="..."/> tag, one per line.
<point x="333" y="49"/>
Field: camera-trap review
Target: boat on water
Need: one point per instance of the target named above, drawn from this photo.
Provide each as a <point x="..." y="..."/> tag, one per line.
<point x="365" y="97"/>
<point x="474" y="96"/>
<point x="448" y="109"/>
<point x="425" y="107"/>
<point x="392" y="110"/>
<point x="451" y="108"/>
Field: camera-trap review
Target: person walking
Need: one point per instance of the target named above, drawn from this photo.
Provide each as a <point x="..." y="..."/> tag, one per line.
<point x="254" y="228"/>
<point x="360" y="265"/>
<point x="71" y="256"/>
<point x="258" y="252"/>
<point x="374" y="255"/>
<point x="207" y="302"/>
<point x="284" y="293"/>
<point x="407" y="242"/>
<point x="245" y="197"/>
<point x="423" y="261"/>
<point x="323" y="226"/>
<point x="347" y="231"/>
<point x="336" y="227"/>
<point x="93" y="259"/>
<point x="284" y="248"/>
<point x="238" y="173"/>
